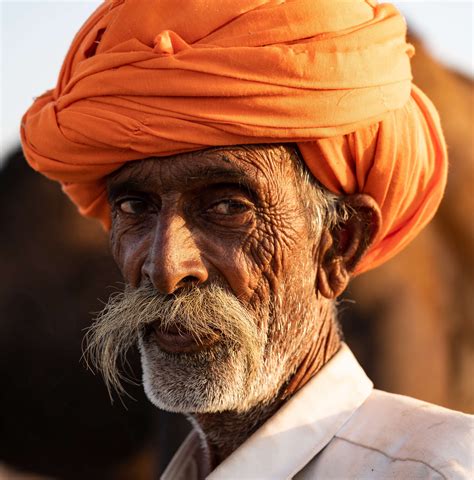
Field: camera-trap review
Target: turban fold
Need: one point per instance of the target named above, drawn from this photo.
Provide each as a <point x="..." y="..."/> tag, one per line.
<point x="148" y="78"/>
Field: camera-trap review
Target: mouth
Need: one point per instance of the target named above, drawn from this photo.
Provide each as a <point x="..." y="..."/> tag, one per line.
<point x="176" y="339"/>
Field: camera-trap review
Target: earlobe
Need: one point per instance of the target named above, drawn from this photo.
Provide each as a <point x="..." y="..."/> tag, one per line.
<point x="342" y="248"/>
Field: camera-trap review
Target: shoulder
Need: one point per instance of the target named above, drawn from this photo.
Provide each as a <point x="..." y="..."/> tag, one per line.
<point x="406" y="430"/>
<point x="392" y="437"/>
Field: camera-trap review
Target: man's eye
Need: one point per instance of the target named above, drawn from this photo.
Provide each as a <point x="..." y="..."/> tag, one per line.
<point x="133" y="206"/>
<point x="229" y="207"/>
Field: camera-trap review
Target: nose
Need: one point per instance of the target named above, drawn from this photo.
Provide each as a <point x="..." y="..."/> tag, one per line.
<point x="173" y="260"/>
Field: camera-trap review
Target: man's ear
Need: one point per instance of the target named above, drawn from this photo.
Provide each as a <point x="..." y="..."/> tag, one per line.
<point x="341" y="249"/>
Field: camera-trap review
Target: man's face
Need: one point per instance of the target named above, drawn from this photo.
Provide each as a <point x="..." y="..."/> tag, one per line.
<point x="220" y="238"/>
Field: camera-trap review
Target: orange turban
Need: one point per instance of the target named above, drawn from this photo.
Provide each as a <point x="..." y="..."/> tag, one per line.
<point x="159" y="77"/>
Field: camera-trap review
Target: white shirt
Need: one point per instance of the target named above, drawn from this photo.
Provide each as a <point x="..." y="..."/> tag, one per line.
<point x="338" y="427"/>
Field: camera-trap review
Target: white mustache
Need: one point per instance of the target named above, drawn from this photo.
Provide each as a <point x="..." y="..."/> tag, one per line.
<point x="201" y="311"/>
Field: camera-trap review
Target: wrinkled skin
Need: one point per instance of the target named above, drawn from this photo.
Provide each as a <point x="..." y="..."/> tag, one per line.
<point x="243" y="241"/>
<point x="234" y="216"/>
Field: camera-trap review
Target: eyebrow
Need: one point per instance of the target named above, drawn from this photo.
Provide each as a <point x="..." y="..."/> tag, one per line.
<point x="205" y="174"/>
<point x="122" y="187"/>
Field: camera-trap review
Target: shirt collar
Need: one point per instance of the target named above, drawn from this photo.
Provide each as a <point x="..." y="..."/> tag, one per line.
<point x="299" y="430"/>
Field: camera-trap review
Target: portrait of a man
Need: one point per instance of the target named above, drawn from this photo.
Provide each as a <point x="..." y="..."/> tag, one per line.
<point x="248" y="159"/>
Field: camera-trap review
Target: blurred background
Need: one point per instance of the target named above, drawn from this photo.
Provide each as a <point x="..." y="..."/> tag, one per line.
<point x="410" y="322"/>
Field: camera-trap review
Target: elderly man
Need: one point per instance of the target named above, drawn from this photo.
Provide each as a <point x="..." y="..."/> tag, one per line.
<point x="248" y="158"/>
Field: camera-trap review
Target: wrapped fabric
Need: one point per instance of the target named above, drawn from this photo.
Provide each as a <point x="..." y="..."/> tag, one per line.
<point x="151" y="78"/>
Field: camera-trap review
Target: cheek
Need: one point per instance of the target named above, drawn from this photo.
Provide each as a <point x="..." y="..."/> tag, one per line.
<point x="129" y="252"/>
<point x="228" y="261"/>
<point x="266" y="254"/>
<point x="252" y="263"/>
<point x="281" y="263"/>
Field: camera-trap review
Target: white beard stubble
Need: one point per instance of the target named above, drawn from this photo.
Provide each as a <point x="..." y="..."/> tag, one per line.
<point x="239" y="371"/>
<point x="223" y="377"/>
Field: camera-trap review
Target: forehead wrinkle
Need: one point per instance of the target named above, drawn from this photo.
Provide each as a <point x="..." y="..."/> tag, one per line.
<point x="251" y="167"/>
<point x="268" y="163"/>
<point x="183" y="171"/>
<point x="197" y="173"/>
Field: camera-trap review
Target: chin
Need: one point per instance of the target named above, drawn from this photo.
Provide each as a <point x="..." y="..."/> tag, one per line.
<point x="211" y="380"/>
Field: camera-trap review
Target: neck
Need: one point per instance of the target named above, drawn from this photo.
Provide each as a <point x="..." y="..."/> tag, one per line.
<point x="223" y="432"/>
<point x="320" y="351"/>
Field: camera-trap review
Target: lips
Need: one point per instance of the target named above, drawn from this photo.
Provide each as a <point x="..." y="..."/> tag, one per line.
<point x="179" y="340"/>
